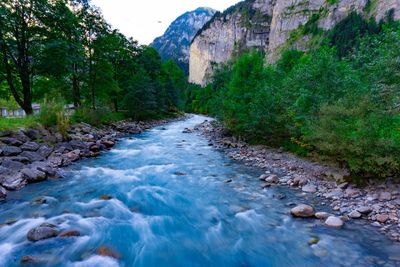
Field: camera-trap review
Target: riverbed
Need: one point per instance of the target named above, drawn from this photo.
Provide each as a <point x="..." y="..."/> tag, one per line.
<point x="167" y="198"/>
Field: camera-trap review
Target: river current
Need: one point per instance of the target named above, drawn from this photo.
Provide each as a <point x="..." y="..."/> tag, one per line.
<point x="176" y="201"/>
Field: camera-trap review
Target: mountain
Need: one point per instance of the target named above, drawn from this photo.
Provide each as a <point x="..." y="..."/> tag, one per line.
<point x="272" y="26"/>
<point x="176" y="40"/>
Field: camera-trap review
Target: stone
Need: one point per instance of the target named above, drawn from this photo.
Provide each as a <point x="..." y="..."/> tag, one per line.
<point x="44" y="167"/>
<point x="76" y="144"/>
<point x="364" y="209"/>
<point x="30" y="146"/>
<point x="108" y="143"/>
<point x="42" y="232"/>
<point x="11" y="141"/>
<point x="355" y="214"/>
<point x="272" y="179"/>
<point x="21" y="159"/>
<point x="299" y="181"/>
<point x="105" y="197"/>
<point x="302" y="211"/>
<point x="14" y="181"/>
<point x="34" y="175"/>
<point x="73" y="155"/>
<point x="32" y="134"/>
<point x="385" y="196"/>
<point x="45" y="151"/>
<point x="107" y="252"/>
<point x="333" y="221"/>
<point x="11" y="151"/>
<point x="70" y="233"/>
<point x="382" y="218"/>
<point x="28" y="260"/>
<point x="351" y="193"/>
<point x="179" y="173"/>
<point x="309" y="188"/>
<point x="313" y="241"/>
<point x="11" y="165"/>
<point x="3" y="193"/>
<point x="322" y="215"/>
<point x="32" y="156"/>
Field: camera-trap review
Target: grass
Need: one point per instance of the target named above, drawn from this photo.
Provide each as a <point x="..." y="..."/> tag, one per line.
<point x="18" y="123"/>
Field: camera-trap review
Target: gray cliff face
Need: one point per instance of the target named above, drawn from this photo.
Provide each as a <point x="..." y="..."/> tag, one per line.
<point x="268" y="25"/>
<point x="175" y="42"/>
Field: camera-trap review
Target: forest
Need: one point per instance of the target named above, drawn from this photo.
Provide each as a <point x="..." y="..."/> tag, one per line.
<point x="62" y="52"/>
<point x="337" y="102"/>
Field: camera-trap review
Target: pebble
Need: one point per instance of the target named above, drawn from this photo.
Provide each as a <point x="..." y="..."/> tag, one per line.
<point x="322" y="215"/>
<point x="355" y="214"/>
<point x="382" y="218"/>
<point x="333" y="221"/>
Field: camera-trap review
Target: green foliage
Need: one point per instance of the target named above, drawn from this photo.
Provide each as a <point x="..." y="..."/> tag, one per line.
<point x="52" y="113"/>
<point x="18" y="123"/>
<point x="96" y="117"/>
<point x="341" y="108"/>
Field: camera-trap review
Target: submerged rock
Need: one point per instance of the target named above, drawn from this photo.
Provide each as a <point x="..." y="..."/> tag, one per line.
<point x="70" y="233"/>
<point x="333" y="221"/>
<point x="106" y="197"/>
<point x="42" y="232"/>
<point x="303" y="211"/>
<point x="107" y="252"/>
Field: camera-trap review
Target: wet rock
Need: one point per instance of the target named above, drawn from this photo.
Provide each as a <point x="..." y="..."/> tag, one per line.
<point x="73" y="155"/>
<point x="364" y="209"/>
<point x="355" y="214"/>
<point x="272" y="179"/>
<point x="44" y="167"/>
<point x="309" y="188"/>
<point x="42" y="232"/>
<point x="32" y="156"/>
<point x="30" y="146"/>
<point x="108" y="143"/>
<point x="179" y="173"/>
<point x="40" y="200"/>
<point x="11" y="151"/>
<point x="302" y="211"/>
<point x="76" y="144"/>
<point x="228" y="181"/>
<point x="70" y="233"/>
<point x="313" y="241"/>
<point x="12" y="165"/>
<point x="322" y="215"/>
<point x="333" y="221"/>
<point x="34" y="175"/>
<point x="20" y="159"/>
<point x="107" y="252"/>
<point x="299" y="181"/>
<point x="385" y="196"/>
<point x="105" y="197"/>
<point x="382" y="218"/>
<point x="3" y="193"/>
<point x="14" y="181"/>
<point x="29" y="260"/>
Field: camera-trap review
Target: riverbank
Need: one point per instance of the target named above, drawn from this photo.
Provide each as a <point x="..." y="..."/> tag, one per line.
<point x="34" y="155"/>
<point x="378" y="202"/>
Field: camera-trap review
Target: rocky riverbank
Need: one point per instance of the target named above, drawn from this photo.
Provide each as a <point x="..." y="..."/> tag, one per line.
<point x="378" y="202"/>
<point x="34" y="155"/>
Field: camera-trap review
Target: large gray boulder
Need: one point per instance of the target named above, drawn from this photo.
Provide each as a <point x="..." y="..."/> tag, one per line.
<point x="42" y="232"/>
<point x="303" y="211"/>
<point x="11" y="165"/>
<point x="32" y="156"/>
<point x="11" y="151"/>
<point x="30" y="146"/>
<point x="3" y="193"/>
<point x="45" y="151"/>
<point x="34" y="175"/>
<point x="13" y="181"/>
<point x="11" y="141"/>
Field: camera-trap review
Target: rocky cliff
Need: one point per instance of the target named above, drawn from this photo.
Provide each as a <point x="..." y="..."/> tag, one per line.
<point x="175" y="42"/>
<point x="272" y="26"/>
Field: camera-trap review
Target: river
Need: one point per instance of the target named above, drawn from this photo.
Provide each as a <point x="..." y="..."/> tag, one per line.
<point x="173" y="205"/>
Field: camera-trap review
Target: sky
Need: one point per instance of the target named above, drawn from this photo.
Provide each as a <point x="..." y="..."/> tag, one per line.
<point x="145" y="20"/>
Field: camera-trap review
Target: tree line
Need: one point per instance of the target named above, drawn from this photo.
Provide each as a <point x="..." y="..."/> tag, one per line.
<point x="338" y="102"/>
<point x="64" y="49"/>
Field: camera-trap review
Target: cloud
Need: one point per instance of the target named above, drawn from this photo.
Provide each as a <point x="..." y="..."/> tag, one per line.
<point x="145" y="20"/>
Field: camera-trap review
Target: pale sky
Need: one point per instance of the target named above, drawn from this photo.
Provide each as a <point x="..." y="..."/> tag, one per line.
<point x="141" y="19"/>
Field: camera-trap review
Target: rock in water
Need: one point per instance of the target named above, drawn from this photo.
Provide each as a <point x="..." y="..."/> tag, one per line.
<point x="303" y="211"/>
<point x="355" y="214"/>
<point x="309" y="188"/>
<point x="333" y="221"/>
<point x="322" y="215"/>
<point x="272" y="179"/>
<point x="3" y="193"/>
<point x="105" y="251"/>
<point x="42" y="232"/>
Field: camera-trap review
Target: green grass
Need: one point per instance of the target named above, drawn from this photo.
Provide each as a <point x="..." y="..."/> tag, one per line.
<point x="18" y="123"/>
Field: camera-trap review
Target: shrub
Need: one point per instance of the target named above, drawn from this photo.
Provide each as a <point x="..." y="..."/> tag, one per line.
<point x="95" y="117"/>
<point x="52" y="113"/>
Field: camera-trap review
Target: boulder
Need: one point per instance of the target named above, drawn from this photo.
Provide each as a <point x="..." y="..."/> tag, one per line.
<point x="73" y="155"/>
<point x="382" y="218"/>
<point x="13" y="181"/>
<point x="3" y="193"/>
<point x="108" y="143"/>
<point x="32" y="134"/>
<point x="299" y="181"/>
<point x="351" y="193"/>
<point x="11" y="151"/>
<point x="11" y="141"/>
<point x="5" y="133"/>
<point x="333" y="221"/>
<point x="21" y="159"/>
<point x="45" y="151"/>
<point x="42" y="232"/>
<point x="11" y="165"/>
<point x="364" y="209"/>
<point x="272" y="179"/>
<point x="322" y="215"/>
<point x="385" y="196"/>
<point x="309" y="188"/>
<point x="30" y="146"/>
<point x="76" y="144"/>
<point x="32" y="156"/>
<point x="34" y="175"/>
<point x="303" y="211"/>
<point x="355" y="214"/>
<point x="107" y="252"/>
<point x="62" y="147"/>
<point x="44" y="167"/>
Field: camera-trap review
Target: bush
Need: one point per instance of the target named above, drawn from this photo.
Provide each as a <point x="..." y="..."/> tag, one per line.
<point x="95" y="117"/>
<point x="52" y="113"/>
